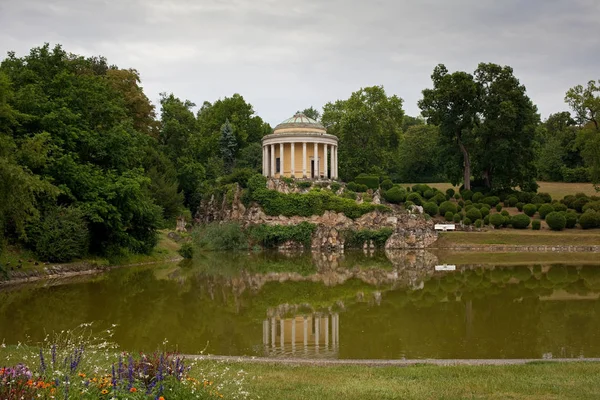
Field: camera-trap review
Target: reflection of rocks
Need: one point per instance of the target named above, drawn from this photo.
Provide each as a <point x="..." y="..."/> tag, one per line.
<point x="412" y="233"/>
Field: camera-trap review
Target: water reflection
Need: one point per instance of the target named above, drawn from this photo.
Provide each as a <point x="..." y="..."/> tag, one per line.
<point x="388" y="305"/>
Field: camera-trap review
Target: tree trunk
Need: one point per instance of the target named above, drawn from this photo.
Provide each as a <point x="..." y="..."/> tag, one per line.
<point x="487" y="179"/>
<point x="467" y="166"/>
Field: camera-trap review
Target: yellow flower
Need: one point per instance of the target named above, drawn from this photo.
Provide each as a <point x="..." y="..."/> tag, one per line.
<point x="104" y="391"/>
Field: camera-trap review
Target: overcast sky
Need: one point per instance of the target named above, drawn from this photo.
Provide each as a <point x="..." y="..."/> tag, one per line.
<point x="284" y="55"/>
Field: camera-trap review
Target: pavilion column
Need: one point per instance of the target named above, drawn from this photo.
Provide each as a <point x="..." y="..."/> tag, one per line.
<point x="304" y="159"/>
<point x="264" y="160"/>
<point x="316" y="158"/>
<point x="281" y="160"/>
<point x="325" y="160"/>
<point x="293" y="160"/>
<point x="272" y="175"/>
<point x="335" y="156"/>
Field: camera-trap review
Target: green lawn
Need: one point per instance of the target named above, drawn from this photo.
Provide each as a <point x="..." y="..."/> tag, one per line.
<point x="572" y="237"/>
<point x="500" y="258"/>
<point x="530" y="381"/>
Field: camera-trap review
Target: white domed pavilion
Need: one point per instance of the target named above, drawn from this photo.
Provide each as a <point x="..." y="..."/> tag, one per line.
<point x="300" y="147"/>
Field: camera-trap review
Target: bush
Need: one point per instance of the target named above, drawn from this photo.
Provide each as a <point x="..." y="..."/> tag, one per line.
<point x="544" y="210"/>
<point x="395" y="195"/>
<point x="505" y="213"/>
<point x="439" y="198"/>
<point x="498" y="207"/>
<point x="457" y="218"/>
<point x="530" y="209"/>
<point x="61" y="236"/>
<point x="592" y="205"/>
<point x="467" y="221"/>
<point x="305" y="184"/>
<point x="496" y="220"/>
<point x="466" y="194"/>
<point x="240" y="176"/>
<point x="449" y="216"/>
<point x="474" y="214"/>
<point x="415" y="197"/>
<point x="575" y="175"/>
<point x="571" y="218"/>
<point x="450" y="192"/>
<point x="579" y="203"/>
<point x="215" y="237"/>
<point x="559" y="207"/>
<point x="536" y="224"/>
<point x="491" y="201"/>
<point x="348" y="194"/>
<point x="335" y="187"/>
<point x="477" y="197"/>
<point x="430" y="208"/>
<point x="447" y="206"/>
<point x="512" y="201"/>
<point x="484" y="211"/>
<point x="456" y="196"/>
<point x="520" y="221"/>
<point x="556" y="221"/>
<point x="420" y="188"/>
<point x="387" y="184"/>
<point x="186" y="250"/>
<point x="429" y="194"/>
<point x="357" y="187"/>
<point x="486" y="220"/>
<point x="525" y="197"/>
<point x="408" y="204"/>
<point x="589" y="220"/>
<point x="370" y="181"/>
<point x="478" y="223"/>
<point x="520" y="206"/>
<point x="271" y="236"/>
<point x="356" y="239"/>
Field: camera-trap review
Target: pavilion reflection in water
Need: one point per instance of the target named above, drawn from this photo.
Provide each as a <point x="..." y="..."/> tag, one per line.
<point x="316" y="335"/>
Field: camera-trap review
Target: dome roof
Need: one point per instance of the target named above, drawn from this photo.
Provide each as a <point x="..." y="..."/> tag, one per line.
<point x="300" y="121"/>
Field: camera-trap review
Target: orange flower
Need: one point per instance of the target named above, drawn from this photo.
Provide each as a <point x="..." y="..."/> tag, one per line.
<point x="30" y="382"/>
<point x="104" y="391"/>
<point x="133" y="390"/>
<point x="81" y="374"/>
<point x="161" y="398"/>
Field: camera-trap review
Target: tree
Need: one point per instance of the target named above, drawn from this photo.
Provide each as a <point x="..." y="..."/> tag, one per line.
<point x="368" y="126"/>
<point x="585" y="102"/>
<point x="311" y="112"/>
<point x="228" y="146"/>
<point x="419" y="154"/>
<point x="452" y="104"/>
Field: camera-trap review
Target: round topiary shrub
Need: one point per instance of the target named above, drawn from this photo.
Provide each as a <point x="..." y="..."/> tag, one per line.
<point x="477" y="197"/>
<point x="395" y="195"/>
<point x="461" y="203"/>
<point x="467" y="221"/>
<point x="498" y="207"/>
<point x="496" y="220"/>
<point x="486" y="220"/>
<point x="387" y="184"/>
<point x="559" y="207"/>
<point x="415" y="197"/>
<point x="485" y="211"/>
<point x="466" y="194"/>
<point x="544" y="210"/>
<point x="530" y="209"/>
<point x="491" y="200"/>
<point x="556" y="221"/>
<point x="449" y="216"/>
<point x="478" y="223"/>
<point x="457" y="218"/>
<point x="512" y="201"/>
<point x="448" y="206"/>
<point x="579" y="203"/>
<point x="429" y="194"/>
<point x="474" y="214"/>
<point x="450" y="192"/>
<point x="456" y="196"/>
<point x="571" y="218"/>
<point x="589" y="220"/>
<point x="439" y="198"/>
<point x="430" y="208"/>
<point x="470" y="206"/>
<point x="505" y="213"/>
<point x="536" y="224"/>
<point x="408" y="204"/>
<point x="520" y="221"/>
<point x="520" y="206"/>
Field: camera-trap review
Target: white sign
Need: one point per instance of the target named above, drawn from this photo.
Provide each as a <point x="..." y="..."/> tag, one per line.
<point x="445" y="267"/>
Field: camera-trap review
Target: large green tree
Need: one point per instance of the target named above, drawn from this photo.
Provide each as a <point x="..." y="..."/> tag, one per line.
<point x="368" y="125"/>
<point x="420" y="158"/>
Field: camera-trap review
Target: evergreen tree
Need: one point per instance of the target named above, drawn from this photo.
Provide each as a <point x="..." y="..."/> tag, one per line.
<point x="228" y="146"/>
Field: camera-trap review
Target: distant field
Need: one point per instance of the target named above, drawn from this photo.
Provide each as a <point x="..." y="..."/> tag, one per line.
<point x="557" y="190"/>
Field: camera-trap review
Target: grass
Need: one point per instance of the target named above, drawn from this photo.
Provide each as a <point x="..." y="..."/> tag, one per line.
<point x="530" y="381"/>
<point x="450" y="257"/>
<point x="557" y="190"/>
<point x="571" y="237"/>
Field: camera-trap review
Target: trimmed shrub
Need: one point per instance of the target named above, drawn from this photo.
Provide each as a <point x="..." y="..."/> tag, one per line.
<point x="428" y="194"/>
<point x="306" y="184"/>
<point x="544" y="210"/>
<point x="536" y="224"/>
<point x="589" y="220"/>
<point x="485" y="211"/>
<point x="387" y="184"/>
<point x="571" y="218"/>
<point x="470" y="206"/>
<point x="592" y="205"/>
<point x="415" y="197"/>
<point x="271" y="236"/>
<point x="439" y="198"/>
<point x="505" y="213"/>
<point x="457" y="218"/>
<point x="450" y="192"/>
<point x="520" y="221"/>
<point x="512" y="201"/>
<point x="486" y="220"/>
<point x="496" y="220"/>
<point x="477" y="197"/>
<point x="408" y="204"/>
<point x="579" y="203"/>
<point x="474" y="214"/>
<point x="395" y="195"/>
<point x="370" y="181"/>
<point x="556" y="221"/>
<point x="478" y="223"/>
<point x="520" y="206"/>
<point x="357" y="187"/>
<point x="430" y="208"/>
<point x="525" y="197"/>
<point x="498" y="207"/>
<point x="468" y="202"/>
<point x="530" y="209"/>
<point x="356" y="239"/>
<point x="349" y="194"/>
<point x="467" y="221"/>
<point x="447" y="206"/>
<point x="461" y="203"/>
<point x="335" y="187"/>
<point x="456" y="196"/>
<point x="559" y="207"/>
<point x="466" y="194"/>
<point x="449" y="216"/>
<point x="491" y="200"/>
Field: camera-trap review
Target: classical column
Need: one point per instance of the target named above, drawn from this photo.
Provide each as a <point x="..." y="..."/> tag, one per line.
<point x="304" y="159"/>
<point x="293" y="160"/>
<point x="335" y="156"/>
<point x="305" y="331"/>
<point x="266" y="332"/>
<point x="294" y="334"/>
<point x="272" y="166"/>
<point x="264" y="160"/>
<point x="316" y="158"/>
<point x="273" y="332"/>
<point x="325" y="160"/>
<point x="281" y="160"/>
<point x="326" y="333"/>
<point x="282" y="335"/>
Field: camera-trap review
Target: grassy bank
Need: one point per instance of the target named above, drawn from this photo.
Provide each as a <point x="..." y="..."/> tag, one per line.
<point x="530" y="381"/>
<point x="498" y="258"/>
<point x="520" y="237"/>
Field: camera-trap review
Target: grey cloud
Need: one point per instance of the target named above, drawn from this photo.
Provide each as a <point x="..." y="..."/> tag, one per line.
<point x="284" y="55"/>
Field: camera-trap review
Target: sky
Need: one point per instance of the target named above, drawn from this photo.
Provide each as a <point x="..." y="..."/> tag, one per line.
<point x="284" y="55"/>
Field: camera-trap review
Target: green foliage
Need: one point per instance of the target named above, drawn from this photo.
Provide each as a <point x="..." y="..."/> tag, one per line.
<point x="240" y="176"/>
<point x="484" y="211"/>
<point x="520" y="221"/>
<point x="216" y="237"/>
<point x="186" y="250"/>
<point x="497" y="220"/>
<point x="571" y="219"/>
<point x="447" y="206"/>
<point x="467" y="221"/>
<point x="395" y="195"/>
<point x="61" y="236"/>
<point x="556" y="221"/>
<point x="544" y="210"/>
<point x="466" y="194"/>
<point x="228" y="146"/>
<point x="420" y="155"/>
<point x="593" y="205"/>
<point x="357" y="187"/>
<point x="589" y="220"/>
<point x="474" y="214"/>
<point x="430" y="208"/>
<point x="512" y="201"/>
<point x="504" y="213"/>
<point x="415" y="198"/>
<point x="520" y="206"/>
<point x="271" y="236"/>
<point x="457" y="218"/>
<point x="536" y="224"/>
<point x="304" y="184"/>
<point x="356" y="239"/>
<point x="498" y="207"/>
<point x="450" y="192"/>
<point x="486" y="220"/>
<point x="449" y="216"/>
<point x="530" y="209"/>
<point x="370" y="181"/>
<point x="478" y="223"/>
<point x="335" y="187"/>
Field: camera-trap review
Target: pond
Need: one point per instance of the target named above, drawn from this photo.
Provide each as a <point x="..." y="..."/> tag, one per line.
<point x="350" y="306"/>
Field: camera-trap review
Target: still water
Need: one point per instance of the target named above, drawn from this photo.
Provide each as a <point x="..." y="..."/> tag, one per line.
<point x="355" y="305"/>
